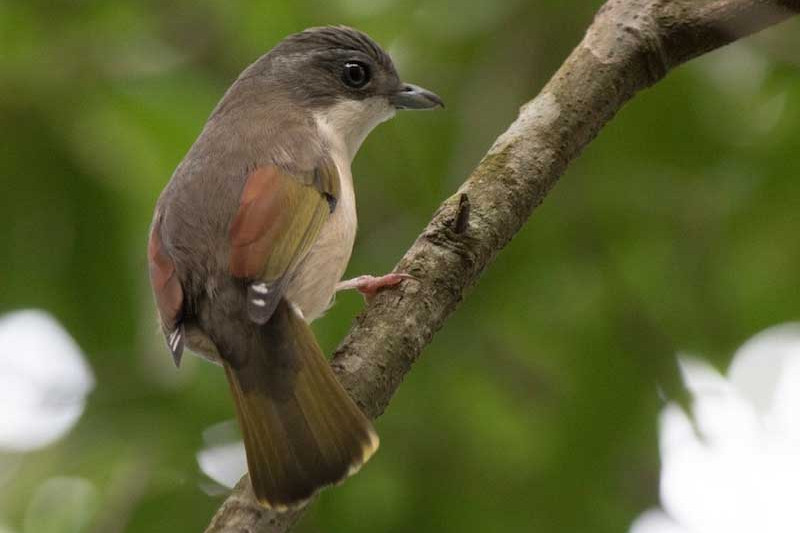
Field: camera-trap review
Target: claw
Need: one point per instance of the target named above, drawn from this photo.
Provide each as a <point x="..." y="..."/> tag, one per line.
<point x="370" y="285"/>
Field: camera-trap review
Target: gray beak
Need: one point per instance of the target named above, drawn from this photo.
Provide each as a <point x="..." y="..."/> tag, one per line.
<point x="415" y="97"/>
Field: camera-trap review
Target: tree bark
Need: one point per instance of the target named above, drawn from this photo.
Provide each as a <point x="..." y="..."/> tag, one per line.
<point x="630" y="45"/>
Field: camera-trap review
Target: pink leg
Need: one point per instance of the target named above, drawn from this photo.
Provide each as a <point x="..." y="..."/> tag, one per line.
<point x="370" y="285"/>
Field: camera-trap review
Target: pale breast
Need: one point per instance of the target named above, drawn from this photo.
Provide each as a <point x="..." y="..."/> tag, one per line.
<point x="314" y="283"/>
<point x="343" y="126"/>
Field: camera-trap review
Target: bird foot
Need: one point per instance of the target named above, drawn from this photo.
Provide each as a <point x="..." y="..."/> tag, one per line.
<point x="370" y="285"/>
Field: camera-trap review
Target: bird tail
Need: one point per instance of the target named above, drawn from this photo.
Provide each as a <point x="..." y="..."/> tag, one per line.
<point x="301" y="429"/>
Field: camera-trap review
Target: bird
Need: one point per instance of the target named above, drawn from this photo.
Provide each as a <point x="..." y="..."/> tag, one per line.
<point x="250" y="239"/>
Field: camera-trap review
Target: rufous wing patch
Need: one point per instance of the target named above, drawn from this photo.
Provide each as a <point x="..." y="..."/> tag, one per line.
<point x="167" y="290"/>
<point x="257" y="222"/>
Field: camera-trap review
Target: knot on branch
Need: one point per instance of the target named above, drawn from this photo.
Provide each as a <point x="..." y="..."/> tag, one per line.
<point x="629" y="31"/>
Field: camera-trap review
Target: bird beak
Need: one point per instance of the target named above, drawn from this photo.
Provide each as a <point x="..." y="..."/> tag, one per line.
<point x="415" y="97"/>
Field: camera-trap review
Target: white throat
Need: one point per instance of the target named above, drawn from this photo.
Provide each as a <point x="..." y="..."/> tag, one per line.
<point x="347" y="123"/>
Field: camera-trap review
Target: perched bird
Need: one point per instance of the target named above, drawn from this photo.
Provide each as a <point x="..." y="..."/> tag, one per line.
<point x="251" y="237"/>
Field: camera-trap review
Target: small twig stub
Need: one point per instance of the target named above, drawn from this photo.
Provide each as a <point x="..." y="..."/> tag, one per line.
<point x="461" y="221"/>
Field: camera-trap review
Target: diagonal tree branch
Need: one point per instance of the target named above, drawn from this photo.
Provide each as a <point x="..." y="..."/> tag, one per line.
<point x="630" y="45"/>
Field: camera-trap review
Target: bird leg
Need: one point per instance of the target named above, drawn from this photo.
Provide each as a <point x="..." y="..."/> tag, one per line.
<point x="370" y="285"/>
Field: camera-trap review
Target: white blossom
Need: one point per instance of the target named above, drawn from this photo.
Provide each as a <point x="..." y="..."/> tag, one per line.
<point x="739" y="471"/>
<point x="44" y="380"/>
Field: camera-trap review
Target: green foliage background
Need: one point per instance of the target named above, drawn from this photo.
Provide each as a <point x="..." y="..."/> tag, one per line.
<point x="535" y="409"/>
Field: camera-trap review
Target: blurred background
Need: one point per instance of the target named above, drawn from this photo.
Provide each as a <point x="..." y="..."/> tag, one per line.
<point x="535" y="408"/>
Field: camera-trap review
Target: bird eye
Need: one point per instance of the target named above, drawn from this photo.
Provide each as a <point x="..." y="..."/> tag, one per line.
<point x="355" y="74"/>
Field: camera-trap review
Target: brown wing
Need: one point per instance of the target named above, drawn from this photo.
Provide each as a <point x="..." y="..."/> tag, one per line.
<point x="167" y="290"/>
<point x="279" y="218"/>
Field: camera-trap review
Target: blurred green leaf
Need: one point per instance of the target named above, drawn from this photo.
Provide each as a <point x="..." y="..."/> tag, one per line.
<point x="61" y="505"/>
